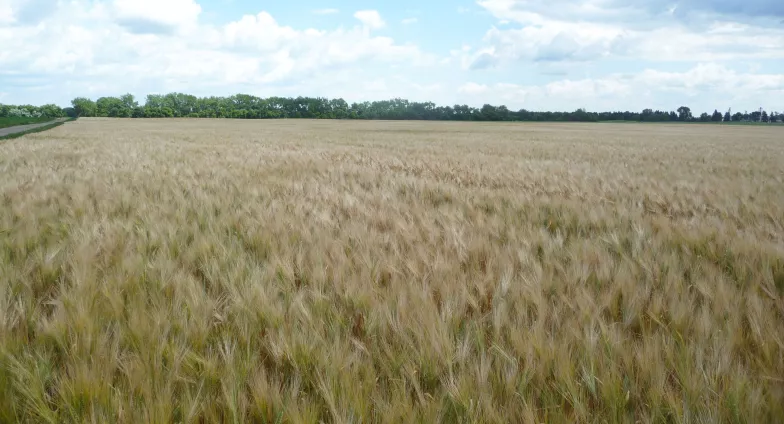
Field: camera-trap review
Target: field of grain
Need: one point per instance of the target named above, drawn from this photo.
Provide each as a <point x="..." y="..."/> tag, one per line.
<point x="311" y="271"/>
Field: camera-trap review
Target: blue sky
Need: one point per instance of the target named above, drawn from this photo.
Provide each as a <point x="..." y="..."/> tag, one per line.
<point x="538" y="55"/>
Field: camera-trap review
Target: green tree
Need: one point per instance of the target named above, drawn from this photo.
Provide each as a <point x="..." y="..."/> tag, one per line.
<point x="684" y="113"/>
<point x="727" y="117"/>
<point x="489" y="113"/>
<point x="154" y="101"/>
<point x="51" y="111"/>
<point x="113" y="107"/>
<point x="246" y="106"/>
<point x="84" y="107"/>
<point x="129" y="101"/>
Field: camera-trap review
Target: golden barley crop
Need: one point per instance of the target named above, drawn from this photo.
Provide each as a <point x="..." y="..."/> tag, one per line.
<point x="311" y="271"/>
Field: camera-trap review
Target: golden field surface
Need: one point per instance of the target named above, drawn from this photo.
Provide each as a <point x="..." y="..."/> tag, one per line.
<point x="333" y="271"/>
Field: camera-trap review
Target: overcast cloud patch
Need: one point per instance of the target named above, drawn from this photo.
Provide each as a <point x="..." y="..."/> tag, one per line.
<point x="145" y="26"/>
<point x="32" y="12"/>
<point x="483" y="61"/>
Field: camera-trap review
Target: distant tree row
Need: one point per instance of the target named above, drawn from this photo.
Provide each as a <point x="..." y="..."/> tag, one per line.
<point x="243" y="106"/>
<point x="29" y="111"/>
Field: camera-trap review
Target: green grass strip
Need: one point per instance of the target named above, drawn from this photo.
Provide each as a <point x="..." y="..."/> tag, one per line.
<point x="36" y="130"/>
<point x="13" y="121"/>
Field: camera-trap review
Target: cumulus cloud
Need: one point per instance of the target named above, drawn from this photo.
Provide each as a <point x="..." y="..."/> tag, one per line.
<point x="6" y="13"/>
<point x="709" y="85"/>
<point x="486" y="58"/>
<point x="113" y="47"/>
<point x="472" y="88"/>
<point x="155" y="16"/>
<point x="27" y="11"/>
<point x="370" y="18"/>
<point x="556" y="42"/>
<point x="638" y="13"/>
<point x="752" y="8"/>
<point x="560" y="30"/>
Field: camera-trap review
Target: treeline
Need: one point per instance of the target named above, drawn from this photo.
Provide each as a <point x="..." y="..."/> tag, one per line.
<point x="243" y="106"/>
<point x="30" y="111"/>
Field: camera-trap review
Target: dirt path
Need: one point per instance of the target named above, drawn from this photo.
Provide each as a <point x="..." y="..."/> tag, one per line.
<point x="22" y="128"/>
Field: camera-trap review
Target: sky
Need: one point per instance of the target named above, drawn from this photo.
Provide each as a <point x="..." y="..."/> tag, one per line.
<point x="532" y="54"/>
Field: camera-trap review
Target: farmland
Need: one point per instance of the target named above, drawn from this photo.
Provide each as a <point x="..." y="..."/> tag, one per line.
<point x="305" y="271"/>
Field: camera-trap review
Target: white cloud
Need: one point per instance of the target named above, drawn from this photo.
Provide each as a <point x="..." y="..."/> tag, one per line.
<point x="25" y="11"/>
<point x="370" y="18"/>
<point x="710" y="85"/>
<point x="144" y="16"/>
<point x="92" y="47"/>
<point x="258" y="32"/>
<point x="326" y="11"/>
<point x="589" y="30"/>
<point x="472" y="88"/>
<point x="6" y="13"/>
<point x="310" y="49"/>
<point x="409" y="21"/>
<point x="715" y="77"/>
<point x="637" y="13"/>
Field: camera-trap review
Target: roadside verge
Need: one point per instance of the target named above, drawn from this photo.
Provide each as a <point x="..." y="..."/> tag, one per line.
<point x="27" y="130"/>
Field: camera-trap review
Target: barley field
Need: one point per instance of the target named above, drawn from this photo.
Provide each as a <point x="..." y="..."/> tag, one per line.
<point x="348" y="272"/>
